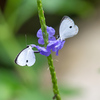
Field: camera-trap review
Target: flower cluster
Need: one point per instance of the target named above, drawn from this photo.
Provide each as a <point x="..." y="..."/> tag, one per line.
<point x="51" y="33"/>
<point x="53" y="44"/>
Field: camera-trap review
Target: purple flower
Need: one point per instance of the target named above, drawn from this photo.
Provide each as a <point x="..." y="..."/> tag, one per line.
<point x="41" y="50"/>
<point x="55" y="46"/>
<point x="51" y="33"/>
<point x="32" y="45"/>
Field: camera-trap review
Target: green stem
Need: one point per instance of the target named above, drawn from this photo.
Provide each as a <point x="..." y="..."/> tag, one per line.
<point x="50" y="60"/>
<point x="42" y="21"/>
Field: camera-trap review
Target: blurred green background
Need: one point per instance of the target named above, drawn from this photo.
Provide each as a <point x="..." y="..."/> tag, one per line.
<point x="19" y="24"/>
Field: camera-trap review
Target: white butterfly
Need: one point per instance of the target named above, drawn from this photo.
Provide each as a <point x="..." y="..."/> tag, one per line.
<point x="26" y="57"/>
<point x="67" y="28"/>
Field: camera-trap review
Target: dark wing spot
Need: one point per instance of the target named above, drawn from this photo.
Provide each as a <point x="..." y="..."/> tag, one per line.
<point x="70" y="26"/>
<point x="26" y="61"/>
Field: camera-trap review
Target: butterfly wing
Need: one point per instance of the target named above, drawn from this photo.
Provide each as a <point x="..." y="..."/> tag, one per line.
<point x="67" y="28"/>
<point x="25" y="57"/>
<point x="30" y="59"/>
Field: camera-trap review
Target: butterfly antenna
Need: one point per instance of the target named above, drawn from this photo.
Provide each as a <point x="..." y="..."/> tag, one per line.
<point x="26" y="39"/>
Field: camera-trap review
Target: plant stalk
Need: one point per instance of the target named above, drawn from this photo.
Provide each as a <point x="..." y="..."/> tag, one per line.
<point x="50" y="60"/>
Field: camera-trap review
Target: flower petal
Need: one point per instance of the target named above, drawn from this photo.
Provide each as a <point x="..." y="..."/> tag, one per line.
<point x="55" y="46"/>
<point x="39" y="33"/>
<point x="52" y="38"/>
<point x="32" y="45"/>
<point x="50" y="32"/>
<point x="52" y="45"/>
<point x="43" y="51"/>
<point x="41" y="41"/>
